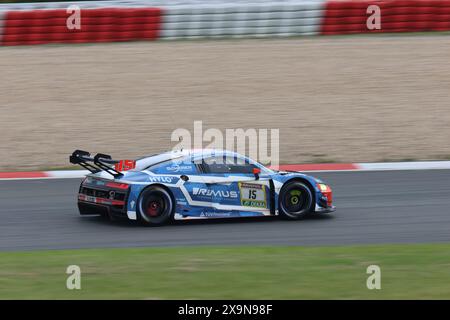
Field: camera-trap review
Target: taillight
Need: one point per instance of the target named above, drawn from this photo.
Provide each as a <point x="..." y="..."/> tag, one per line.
<point x="117" y="185"/>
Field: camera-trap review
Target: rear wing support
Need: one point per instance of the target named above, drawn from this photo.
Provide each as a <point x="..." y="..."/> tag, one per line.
<point x="101" y="162"/>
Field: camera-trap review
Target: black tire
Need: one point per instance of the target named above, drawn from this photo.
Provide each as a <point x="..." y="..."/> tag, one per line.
<point x="296" y="200"/>
<point x="155" y="206"/>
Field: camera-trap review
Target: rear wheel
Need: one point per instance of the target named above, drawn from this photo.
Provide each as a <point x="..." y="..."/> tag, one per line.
<point x="155" y="206"/>
<point x="296" y="200"/>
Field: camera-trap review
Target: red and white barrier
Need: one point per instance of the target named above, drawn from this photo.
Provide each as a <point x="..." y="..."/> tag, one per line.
<point x="346" y="17"/>
<point x="318" y="167"/>
<point x="98" y="25"/>
<point x="241" y="19"/>
<point x="107" y="21"/>
<point x="2" y="21"/>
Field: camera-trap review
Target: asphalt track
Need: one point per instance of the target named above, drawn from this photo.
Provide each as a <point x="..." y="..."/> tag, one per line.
<point x="373" y="207"/>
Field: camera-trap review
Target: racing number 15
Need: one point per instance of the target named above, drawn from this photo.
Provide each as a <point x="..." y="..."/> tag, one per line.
<point x="252" y="194"/>
<point x="125" y="165"/>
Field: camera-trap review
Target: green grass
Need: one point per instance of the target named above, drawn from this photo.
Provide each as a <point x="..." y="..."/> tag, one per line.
<point x="407" y="272"/>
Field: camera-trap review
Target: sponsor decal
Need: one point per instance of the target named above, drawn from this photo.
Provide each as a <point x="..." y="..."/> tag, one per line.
<point x="160" y="179"/>
<point x="214" y="193"/>
<point x="216" y="214"/>
<point x="253" y="195"/>
<point x="177" y="167"/>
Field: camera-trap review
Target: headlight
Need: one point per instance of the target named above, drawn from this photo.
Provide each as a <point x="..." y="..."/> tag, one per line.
<point x="326" y="192"/>
<point x="323" y="187"/>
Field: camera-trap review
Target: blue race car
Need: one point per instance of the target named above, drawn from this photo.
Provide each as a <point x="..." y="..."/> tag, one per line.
<point x="195" y="184"/>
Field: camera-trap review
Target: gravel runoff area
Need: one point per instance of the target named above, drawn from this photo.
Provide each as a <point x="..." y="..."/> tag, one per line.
<point x="333" y="98"/>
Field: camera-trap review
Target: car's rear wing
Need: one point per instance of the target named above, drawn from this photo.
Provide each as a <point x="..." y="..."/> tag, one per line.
<point x="101" y="162"/>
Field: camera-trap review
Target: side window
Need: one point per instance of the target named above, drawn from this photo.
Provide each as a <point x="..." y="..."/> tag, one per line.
<point x="224" y="164"/>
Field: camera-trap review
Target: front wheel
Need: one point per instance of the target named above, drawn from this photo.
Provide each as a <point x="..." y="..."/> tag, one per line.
<point x="296" y="200"/>
<point x="155" y="206"/>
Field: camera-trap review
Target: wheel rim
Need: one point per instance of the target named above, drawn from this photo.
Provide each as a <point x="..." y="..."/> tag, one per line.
<point x="295" y="201"/>
<point x="154" y="209"/>
<point x="154" y="206"/>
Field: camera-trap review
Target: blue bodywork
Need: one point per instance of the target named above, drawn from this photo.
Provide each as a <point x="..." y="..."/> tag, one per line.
<point x="199" y="194"/>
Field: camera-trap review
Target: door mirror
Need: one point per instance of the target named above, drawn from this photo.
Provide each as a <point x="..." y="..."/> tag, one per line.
<point x="256" y="172"/>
